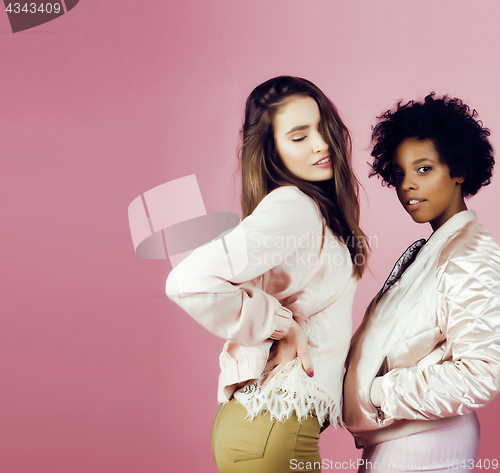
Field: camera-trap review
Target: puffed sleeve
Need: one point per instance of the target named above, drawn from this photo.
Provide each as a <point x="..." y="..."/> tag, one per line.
<point x="211" y="284"/>
<point x="465" y="372"/>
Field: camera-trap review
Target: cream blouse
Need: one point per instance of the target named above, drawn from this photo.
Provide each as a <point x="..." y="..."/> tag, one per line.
<point x="282" y="260"/>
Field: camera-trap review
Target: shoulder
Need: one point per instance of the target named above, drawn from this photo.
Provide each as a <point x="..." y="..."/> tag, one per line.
<point x="289" y="194"/>
<point x="289" y="204"/>
<point x="471" y="253"/>
<point x="471" y="241"/>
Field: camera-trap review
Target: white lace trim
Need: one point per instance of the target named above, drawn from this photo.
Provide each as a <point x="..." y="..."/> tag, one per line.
<point x="280" y="401"/>
<point x="291" y="390"/>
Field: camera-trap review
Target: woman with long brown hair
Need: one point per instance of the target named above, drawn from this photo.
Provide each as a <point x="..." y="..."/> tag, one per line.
<point x="279" y="287"/>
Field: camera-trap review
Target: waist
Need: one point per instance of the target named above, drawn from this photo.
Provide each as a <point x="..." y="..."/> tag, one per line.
<point x="398" y="429"/>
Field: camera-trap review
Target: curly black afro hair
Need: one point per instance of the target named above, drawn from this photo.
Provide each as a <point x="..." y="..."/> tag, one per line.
<point x="460" y="139"/>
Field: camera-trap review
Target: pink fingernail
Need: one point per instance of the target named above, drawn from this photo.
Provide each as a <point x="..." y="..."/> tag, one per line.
<point x="310" y="374"/>
<point x="260" y="390"/>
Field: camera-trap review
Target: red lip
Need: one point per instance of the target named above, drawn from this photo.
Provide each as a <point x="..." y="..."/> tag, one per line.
<point x="321" y="159"/>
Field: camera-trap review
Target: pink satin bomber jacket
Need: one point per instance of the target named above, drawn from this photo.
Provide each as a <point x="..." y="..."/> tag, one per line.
<point x="433" y="337"/>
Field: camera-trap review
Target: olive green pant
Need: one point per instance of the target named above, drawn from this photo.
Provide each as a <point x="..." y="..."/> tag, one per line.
<point x="264" y="445"/>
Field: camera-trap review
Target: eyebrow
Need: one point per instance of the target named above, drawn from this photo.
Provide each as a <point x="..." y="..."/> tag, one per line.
<point x="421" y="160"/>
<point x="298" y="128"/>
<point x="417" y="161"/>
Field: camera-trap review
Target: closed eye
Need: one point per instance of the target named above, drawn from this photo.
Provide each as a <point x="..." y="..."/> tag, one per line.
<point x="302" y="138"/>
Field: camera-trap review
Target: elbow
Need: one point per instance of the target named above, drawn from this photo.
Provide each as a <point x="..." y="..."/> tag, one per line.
<point x="481" y="383"/>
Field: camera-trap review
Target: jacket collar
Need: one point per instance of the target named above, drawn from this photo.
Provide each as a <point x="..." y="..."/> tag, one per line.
<point x="453" y="224"/>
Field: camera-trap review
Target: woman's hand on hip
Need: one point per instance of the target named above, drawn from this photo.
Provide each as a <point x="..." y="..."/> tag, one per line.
<point x="292" y="345"/>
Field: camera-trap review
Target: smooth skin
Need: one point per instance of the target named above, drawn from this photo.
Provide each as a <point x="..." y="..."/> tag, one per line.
<point x="299" y="142"/>
<point x="424" y="185"/>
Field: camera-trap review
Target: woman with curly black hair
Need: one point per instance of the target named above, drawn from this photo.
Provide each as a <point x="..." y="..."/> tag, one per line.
<point x="427" y="353"/>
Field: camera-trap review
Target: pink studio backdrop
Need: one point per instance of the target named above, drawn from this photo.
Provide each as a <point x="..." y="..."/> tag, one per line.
<point x="100" y="372"/>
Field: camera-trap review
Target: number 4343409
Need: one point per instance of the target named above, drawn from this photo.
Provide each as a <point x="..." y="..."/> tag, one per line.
<point x="34" y="8"/>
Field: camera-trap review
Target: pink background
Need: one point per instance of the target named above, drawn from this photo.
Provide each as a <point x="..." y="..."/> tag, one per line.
<point x="99" y="371"/>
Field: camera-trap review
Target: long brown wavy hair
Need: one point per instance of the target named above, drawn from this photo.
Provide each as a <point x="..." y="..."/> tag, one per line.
<point x="263" y="170"/>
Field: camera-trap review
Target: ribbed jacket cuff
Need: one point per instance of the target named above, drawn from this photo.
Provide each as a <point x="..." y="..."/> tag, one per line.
<point x="282" y="320"/>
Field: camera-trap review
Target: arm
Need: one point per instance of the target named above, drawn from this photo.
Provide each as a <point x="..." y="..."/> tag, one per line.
<point x="468" y="292"/>
<point x="294" y="344"/>
<point x="212" y="285"/>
